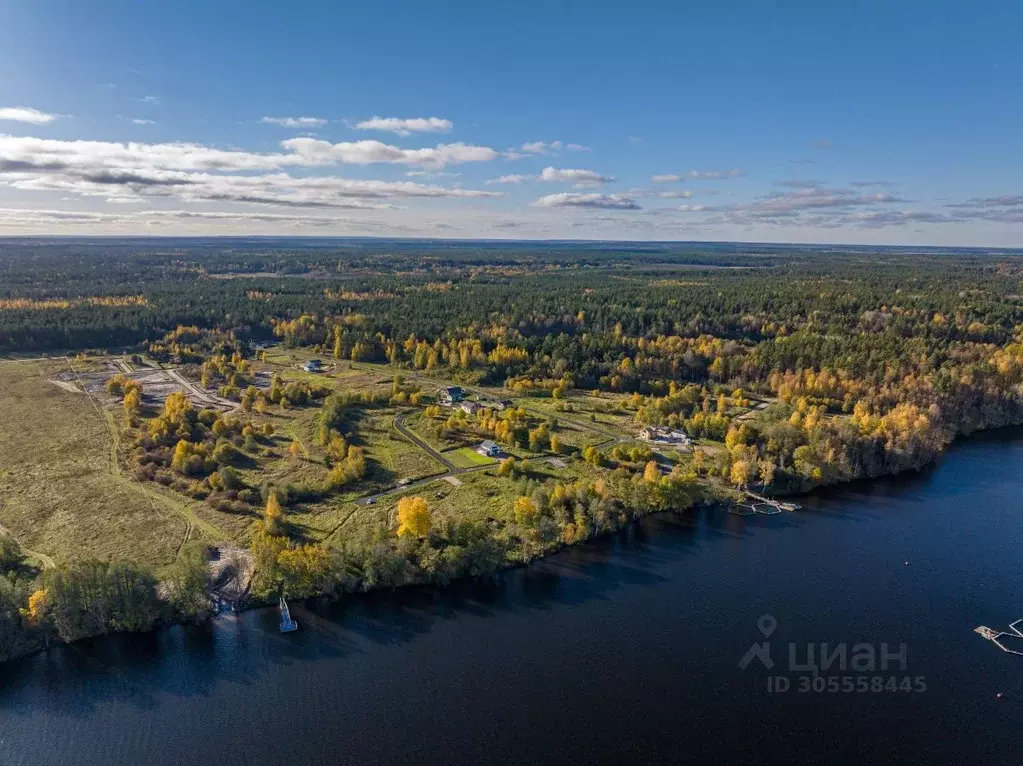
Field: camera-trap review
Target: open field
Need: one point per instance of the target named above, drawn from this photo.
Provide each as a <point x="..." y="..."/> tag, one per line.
<point x="601" y="413"/>
<point x="62" y="491"/>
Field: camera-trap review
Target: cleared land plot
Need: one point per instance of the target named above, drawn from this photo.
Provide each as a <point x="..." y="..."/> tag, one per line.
<point x="426" y="429"/>
<point x="390" y="458"/>
<point x="480" y="496"/>
<point x="62" y="492"/>
<point x="467" y="457"/>
<point x="600" y="413"/>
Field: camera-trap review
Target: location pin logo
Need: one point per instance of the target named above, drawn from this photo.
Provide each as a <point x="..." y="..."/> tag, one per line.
<point x="761" y="651"/>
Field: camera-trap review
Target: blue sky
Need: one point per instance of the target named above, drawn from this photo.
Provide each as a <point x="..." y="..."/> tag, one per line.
<point x="859" y="122"/>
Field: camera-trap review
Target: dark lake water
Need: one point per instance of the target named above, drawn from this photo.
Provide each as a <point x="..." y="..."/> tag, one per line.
<point x="625" y="650"/>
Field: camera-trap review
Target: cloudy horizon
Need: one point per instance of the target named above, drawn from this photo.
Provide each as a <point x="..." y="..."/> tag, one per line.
<point x="97" y="140"/>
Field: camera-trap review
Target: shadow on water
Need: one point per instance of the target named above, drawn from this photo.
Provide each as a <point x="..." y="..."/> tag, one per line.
<point x="191" y="660"/>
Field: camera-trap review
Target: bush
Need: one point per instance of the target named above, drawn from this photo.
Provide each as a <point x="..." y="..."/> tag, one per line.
<point x="225" y="454"/>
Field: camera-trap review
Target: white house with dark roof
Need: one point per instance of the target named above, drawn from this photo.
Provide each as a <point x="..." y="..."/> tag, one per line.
<point x="489" y="448"/>
<point x="664" y="435"/>
<point x="450" y="395"/>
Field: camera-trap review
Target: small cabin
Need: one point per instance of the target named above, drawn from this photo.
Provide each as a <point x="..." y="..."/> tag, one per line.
<point x="450" y="395"/>
<point x="663" y="435"/>
<point x="313" y="365"/>
<point x="469" y="408"/>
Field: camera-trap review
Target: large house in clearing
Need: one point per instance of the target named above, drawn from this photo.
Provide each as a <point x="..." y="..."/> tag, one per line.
<point x="469" y="408"/>
<point x="313" y="365"/>
<point x="450" y="395"/>
<point x="489" y="448"/>
<point x="664" y="435"/>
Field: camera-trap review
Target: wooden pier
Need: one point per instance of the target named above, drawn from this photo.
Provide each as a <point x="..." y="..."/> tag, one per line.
<point x="996" y="636"/>
<point x="778" y="505"/>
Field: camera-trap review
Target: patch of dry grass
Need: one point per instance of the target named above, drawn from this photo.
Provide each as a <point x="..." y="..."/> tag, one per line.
<point x="61" y="489"/>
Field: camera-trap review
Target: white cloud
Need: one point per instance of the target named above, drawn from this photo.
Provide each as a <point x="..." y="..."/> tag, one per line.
<point x="685" y="194"/>
<point x="697" y="175"/>
<point x="1006" y="200"/>
<point x="800" y="183"/>
<point x="823" y="208"/>
<point x="608" y="201"/>
<point x="877" y="219"/>
<point x="515" y="178"/>
<point x="150" y="99"/>
<point x="317" y="152"/>
<point x="431" y="174"/>
<point x="295" y="122"/>
<point x="140" y="121"/>
<point x="193" y="173"/>
<point x="714" y="175"/>
<point x="406" y="127"/>
<point x="569" y="175"/>
<point x="21" y="218"/>
<point x="1007" y="208"/>
<point x="692" y="208"/>
<point x="859" y="184"/>
<point x="26" y="114"/>
<point x="27" y="153"/>
<point x="542" y="147"/>
<point x="577" y="148"/>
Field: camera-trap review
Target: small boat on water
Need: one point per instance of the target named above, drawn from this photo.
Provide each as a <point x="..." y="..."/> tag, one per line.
<point x="287" y="624"/>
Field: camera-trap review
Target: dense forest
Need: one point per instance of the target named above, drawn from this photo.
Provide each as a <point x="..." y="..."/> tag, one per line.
<point x="915" y="347"/>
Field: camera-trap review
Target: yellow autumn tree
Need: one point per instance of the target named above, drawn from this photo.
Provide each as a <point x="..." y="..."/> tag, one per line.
<point x="295" y="450"/>
<point x="133" y="401"/>
<point x="525" y="511"/>
<point x="273" y="516"/>
<point x="741" y="473"/>
<point x="651" y="472"/>
<point x="699" y="461"/>
<point x="181" y="454"/>
<point x="33" y="614"/>
<point x="413" y="517"/>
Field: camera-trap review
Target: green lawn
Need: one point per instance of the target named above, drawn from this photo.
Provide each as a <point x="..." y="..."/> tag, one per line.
<point x="468" y="457"/>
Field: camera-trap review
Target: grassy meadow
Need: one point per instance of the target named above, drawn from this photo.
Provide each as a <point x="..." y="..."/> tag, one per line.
<point x="61" y="491"/>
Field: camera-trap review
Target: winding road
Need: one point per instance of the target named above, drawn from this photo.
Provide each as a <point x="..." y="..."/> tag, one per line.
<point x="399" y="423"/>
<point x="452" y="469"/>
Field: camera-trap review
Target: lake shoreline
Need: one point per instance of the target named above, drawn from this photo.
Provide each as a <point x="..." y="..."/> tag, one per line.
<point x="644" y="628"/>
<point x="718" y="503"/>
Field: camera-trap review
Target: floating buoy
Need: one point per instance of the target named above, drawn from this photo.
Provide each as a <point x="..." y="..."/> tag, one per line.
<point x="907" y="564"/>
<point x="998" y="696"/>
